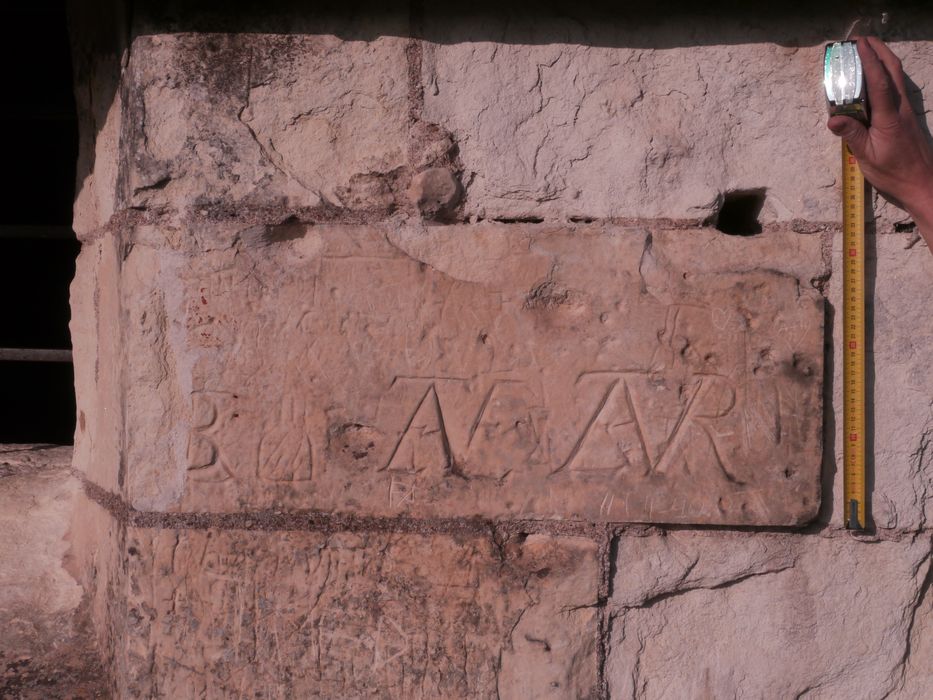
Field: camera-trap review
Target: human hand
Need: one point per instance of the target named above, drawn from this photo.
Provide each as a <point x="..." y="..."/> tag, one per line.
<point x="893" y="151"/>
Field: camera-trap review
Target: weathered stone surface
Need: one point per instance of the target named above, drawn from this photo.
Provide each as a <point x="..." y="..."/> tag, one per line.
<point x="46" y="650"/>
<point x="576" y="130"/>
<point x="563" y="114"/>
<point x="917" y="669"/>
<point x="719" y="615"/>
<point x="294" y="614"/>
<point x="494" y="370"/>
<point x="226" y="121"/>
<point x="900" y="381"/>
<point x="435" y="191"/>
<point x="96" y="336"/>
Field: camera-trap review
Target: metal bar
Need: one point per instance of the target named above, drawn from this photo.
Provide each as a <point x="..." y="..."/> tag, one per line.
<point x="34" y="355"/>
<point x="52" y="231"/>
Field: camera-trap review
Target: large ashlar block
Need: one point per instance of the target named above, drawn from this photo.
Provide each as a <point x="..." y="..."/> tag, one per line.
<point x="592" y="373"/>
<point x="900" y="383"/>
<point x="724" y="615"/>
<point x="228" y="121"/>
<point x="298" y="614"/>
<point x="626" y="114"/>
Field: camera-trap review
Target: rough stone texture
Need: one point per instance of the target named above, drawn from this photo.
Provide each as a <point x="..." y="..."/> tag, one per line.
<point x="917" y="669"/>
<point x="901" y="383"/>
<point x="435" y="191"/>
<point x="716" y="615"/>
<point x="46" y="648"/>
<point x="581" y="114"/>
<point x="539" y="372"/>
<point x="288" y="614"/>
<point x="236" y="350"/>
<point x="225" y="121"/>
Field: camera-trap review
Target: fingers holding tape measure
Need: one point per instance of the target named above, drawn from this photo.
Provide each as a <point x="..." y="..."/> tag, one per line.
<point x="891" y="62"/>
<point x="853" y="131"/>
<point x="884" y="90"/>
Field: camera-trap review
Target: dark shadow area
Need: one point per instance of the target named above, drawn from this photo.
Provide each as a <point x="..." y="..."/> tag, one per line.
<point x="828" y="468"/>
<point x="38" y="118"/>
<point x="624" y="23"/>
<point x="37" y="247"/>
<point x="739" y="212"/>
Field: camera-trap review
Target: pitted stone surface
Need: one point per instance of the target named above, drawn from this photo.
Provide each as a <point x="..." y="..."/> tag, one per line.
<point x="434" y="191"/>
<point x="491" y="370"/>
<point x="293" y="614"/>
<point x="721" y="615"/>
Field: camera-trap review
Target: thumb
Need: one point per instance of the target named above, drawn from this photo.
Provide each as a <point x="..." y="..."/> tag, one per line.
<point x="853" y="131"/>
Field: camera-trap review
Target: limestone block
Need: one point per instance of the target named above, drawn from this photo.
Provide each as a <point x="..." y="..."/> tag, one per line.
<point x="227" y="121"/>
<point x="96" y="338"/>
<point x="565" y="114"/>
<point x="714" y="614"/>
<point x="900" y="381"/>
<point x="300" y="614"/>
<point x="594" y="373"/>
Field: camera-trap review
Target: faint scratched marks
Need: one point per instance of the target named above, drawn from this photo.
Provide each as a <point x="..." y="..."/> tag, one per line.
<point x="508" y="431"/>
<point x="285" y="455"/>
<point x="292" y="614"/>
<point x="285" y="450"/>
<point x="401" y="493"/>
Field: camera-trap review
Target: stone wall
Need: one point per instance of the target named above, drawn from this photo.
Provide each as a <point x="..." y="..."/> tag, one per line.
<point x="411" y="363"/>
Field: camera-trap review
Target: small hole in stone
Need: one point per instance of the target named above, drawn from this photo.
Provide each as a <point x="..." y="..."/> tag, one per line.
<point x="905" y="227"/>
<point x="738" y="215"/>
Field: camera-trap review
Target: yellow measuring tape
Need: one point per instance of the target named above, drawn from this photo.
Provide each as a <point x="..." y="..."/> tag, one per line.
<point x="853" y="312"/>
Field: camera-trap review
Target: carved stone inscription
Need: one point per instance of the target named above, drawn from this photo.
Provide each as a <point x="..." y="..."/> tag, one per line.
<point x="491" y="371"/>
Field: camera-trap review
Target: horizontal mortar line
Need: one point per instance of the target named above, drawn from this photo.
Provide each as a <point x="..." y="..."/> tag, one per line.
<point x="816" y="529"/>
<point x="320" y="521"/>
<point x="328" y="523"/>
<point x="267" y="216"/>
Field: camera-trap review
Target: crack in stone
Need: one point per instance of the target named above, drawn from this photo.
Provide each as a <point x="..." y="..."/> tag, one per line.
<point x="660" y="597"/>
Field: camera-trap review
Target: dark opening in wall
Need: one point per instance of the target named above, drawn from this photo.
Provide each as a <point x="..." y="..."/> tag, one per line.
<point x="738" y="215"/>
<point x="37" y="246"/>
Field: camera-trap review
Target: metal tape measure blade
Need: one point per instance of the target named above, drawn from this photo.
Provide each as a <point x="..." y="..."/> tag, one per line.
<point x="853" y="309"/>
